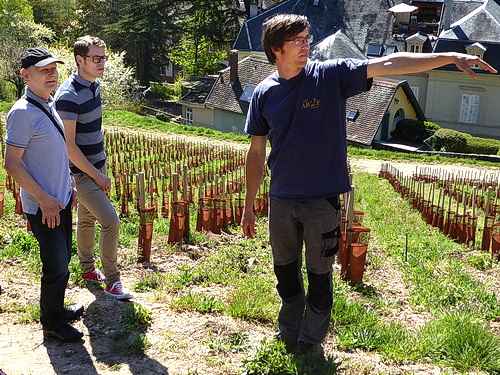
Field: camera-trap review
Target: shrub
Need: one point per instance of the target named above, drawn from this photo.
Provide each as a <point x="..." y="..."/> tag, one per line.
<point x="449" y="140"/>
<point x="166" y="91"/>
<point x="7" y="91"/>
<point x="414" y="130"/>
<point x="455" y="141"/>
<point x="482" y="146"/>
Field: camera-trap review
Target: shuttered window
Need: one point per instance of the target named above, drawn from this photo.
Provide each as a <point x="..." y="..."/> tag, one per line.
<point x="469" y="109"/>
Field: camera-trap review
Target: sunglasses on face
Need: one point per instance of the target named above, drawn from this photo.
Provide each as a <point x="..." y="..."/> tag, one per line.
<point x="97" y="59"/>
<point x="300" y="41"/>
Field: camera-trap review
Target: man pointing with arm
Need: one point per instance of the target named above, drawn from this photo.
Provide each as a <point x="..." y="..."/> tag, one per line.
<point x="301" y="110"/>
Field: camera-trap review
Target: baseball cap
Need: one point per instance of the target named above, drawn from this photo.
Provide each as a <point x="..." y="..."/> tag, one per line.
<point x="38" y="57"/>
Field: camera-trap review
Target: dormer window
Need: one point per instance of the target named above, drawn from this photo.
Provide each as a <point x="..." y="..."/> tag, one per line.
<point x="415" y="43"/>
<point x="476" y="49"/>
<point x="416" y="48"/>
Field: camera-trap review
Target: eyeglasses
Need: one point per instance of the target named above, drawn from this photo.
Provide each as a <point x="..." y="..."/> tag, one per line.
<point x="300" y="41"/>
<point x="97" y="59"/>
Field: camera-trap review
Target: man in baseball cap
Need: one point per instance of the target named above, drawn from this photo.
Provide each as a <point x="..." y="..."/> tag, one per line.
<point x="38" y="57"/>
<point x="37" y="159"/>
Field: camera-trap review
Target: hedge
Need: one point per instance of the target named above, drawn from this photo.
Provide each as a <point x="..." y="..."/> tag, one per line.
<point x="411" y="130"/>
<point x="455" y="141"/>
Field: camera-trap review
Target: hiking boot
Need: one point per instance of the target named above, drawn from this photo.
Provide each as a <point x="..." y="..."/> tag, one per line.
<point x="118" y="291"/>
<point x="95" y="276"/>
<point x="64" y="332"/>
<point x="73" y="313"/>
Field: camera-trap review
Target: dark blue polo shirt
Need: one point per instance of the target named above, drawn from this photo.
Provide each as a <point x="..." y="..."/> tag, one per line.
<point x="305" y="120"/>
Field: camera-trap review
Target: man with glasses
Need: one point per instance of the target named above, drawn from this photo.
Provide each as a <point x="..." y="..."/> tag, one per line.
<point x="78" y="102"/>
<point x="301" y="109"/>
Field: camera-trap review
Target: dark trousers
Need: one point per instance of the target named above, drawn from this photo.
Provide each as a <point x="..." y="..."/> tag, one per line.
<point x="55" y="253"/>
<point x="315" y="222"/>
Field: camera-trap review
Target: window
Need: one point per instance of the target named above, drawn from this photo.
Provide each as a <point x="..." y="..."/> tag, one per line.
<point x="189" y="116"/>
<point x="375" y="50"/>
<point x="469" y="109"/>
<point x="412" y="48"/>
<point x="476" y="49"/>
<point x="352" y="115"/>
<point x="415" y="90"/>
<point x="400" y="115"/>
<point x="248" y="90"/>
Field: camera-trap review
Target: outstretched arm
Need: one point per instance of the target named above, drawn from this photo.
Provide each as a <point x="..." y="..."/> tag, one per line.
<point x="406" y="62"/>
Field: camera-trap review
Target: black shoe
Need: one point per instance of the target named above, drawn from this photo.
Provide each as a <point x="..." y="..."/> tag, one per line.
<point x="73" y="313"/>
<point x="65" y="333"/>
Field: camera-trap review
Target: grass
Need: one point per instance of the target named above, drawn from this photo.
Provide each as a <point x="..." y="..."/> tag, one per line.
<point x="272" y="359"/>
<point x="436" y="279"/>
<point x="461" y="341"/>
<point x="136" y="317"/>
<point x="30" y="313"/>
<point x="131" y="339"/>
<point x="150" y="123"/>
<point x="231" y="343"/>
<point x="481" y="261"/>
<point x="197" y="302"/>
<point x="22" y="245"/>
<point x="151" y="281"/>
<point x="254" y="299"/>
<point x="359" y="327"/>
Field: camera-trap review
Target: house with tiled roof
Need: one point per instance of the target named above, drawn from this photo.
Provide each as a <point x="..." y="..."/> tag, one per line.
<point x="225" y="104"/>
<point x="448" y="96"/>
<point x="194" y="110"/>
<point x="372" y="116"/>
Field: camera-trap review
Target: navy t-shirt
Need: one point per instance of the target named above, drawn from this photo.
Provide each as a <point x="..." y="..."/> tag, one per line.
<point x="305" y="120"/>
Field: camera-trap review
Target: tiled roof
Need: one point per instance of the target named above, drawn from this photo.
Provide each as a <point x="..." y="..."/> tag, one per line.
<point x="372" y="105"/>
<point x="457" y="9"/>
<point x="226" y="96"/>
<point x="491" y="55"/>
<point x="199" y="90"/>
<point x="337" y="45"/>
<point x="482" y="24"/>
<point x="363" y="21"/>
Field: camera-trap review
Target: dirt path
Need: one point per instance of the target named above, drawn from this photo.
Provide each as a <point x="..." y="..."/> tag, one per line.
<point x="180" y="342"/>
<point x="374" y="166"/>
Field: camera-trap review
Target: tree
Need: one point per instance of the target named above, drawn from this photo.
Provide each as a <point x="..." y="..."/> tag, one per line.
<point x="209" y="27"/>
<point x="18" y="31"/>
<point x="59" y="15"/>
<point x="197" y="57"/>
<point x="145" y="30"/>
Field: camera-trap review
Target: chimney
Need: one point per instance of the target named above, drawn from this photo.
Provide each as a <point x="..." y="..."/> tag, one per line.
<point x="233" y="65"/>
